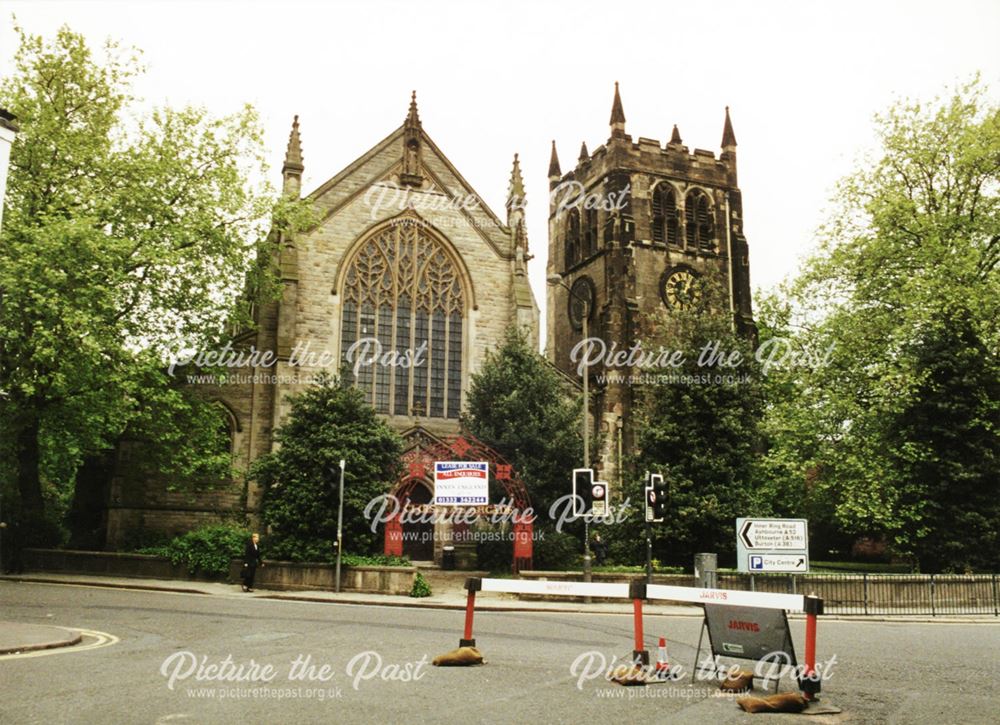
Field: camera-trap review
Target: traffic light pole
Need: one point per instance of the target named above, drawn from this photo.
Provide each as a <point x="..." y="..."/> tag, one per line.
<point x="649" y="553"/>
<point x="556" y="279"/>
<point x="586" y="446"/>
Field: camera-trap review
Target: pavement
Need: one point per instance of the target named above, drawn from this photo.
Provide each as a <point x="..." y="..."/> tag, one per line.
<point x="444" y="597"/>
<point x="16" y="637"/>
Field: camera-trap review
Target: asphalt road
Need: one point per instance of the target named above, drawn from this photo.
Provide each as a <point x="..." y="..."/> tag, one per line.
<point x="378" y="665"/>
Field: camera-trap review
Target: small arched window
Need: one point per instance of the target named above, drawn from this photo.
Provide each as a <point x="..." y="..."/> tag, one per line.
<point x="698" y="221"/>
<point x="228" y="427"/>
<point x="665" y="218"/>
<point x="572" y="237"/>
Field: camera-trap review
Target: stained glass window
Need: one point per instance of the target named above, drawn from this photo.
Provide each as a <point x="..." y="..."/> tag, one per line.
<point x="403" y="291"/>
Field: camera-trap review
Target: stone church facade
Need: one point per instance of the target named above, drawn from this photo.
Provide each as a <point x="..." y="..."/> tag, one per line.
<point x="402" y="255"/>
<point x="660" y="217"/>
<point x="403" y="252"/>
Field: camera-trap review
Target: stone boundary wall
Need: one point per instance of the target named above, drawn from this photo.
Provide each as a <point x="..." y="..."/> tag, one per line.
<point x="284" y="575"/>
<point x="303" y="576"/>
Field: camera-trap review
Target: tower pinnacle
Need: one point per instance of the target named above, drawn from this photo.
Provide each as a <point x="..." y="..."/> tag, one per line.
<point x="515" y="190"/>
<point x="293" y="154"/>
<point x="411" y="174"/>
<point x="291" y="170"/>
<point x="728" y="137"/>
<point x="617" y="116"/>
<point x="413" y="118"/>
<point x="554" y="170"/>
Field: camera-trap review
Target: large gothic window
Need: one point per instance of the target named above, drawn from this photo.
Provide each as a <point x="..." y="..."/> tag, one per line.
<point x="403" y="291"/>
<point x="698" y="223"/>
<point x="665" y="218"/>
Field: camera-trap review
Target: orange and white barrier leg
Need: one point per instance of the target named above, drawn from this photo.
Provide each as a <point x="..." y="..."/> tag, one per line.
<point x="637" y="591"/>
<point x="809" y="684"/>
<point x="473" y="585"/>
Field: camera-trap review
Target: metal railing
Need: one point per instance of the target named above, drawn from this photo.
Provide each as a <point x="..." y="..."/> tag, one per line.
<point x="882" y="594"/>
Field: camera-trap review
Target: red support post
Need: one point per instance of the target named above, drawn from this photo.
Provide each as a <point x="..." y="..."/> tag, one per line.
<point x="639" y="654"/>
<point x="472" y="585"/>
<point x="810" y="682"/>
<point x="637" y="591"/>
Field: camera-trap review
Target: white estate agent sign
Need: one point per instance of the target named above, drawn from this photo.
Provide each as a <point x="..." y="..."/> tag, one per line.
<point x="772" y="545"/>
<point x="461" y="483"/>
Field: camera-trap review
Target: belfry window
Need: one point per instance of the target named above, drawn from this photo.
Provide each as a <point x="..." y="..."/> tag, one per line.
<point x="403" y="297"/>
<point x="665" y="218"/>
<point x="590" y="233"/>
<point x="698" y="223"/>
<point x="572" y="250"/>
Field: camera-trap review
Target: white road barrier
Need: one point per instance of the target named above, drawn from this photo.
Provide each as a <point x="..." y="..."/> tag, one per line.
<point x="764" y="600"/>
<point x="639" y="591"/>
<point x="557" y="588"/>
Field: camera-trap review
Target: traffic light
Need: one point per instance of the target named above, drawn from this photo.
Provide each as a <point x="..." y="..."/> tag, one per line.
<point x="599" y="498"/>
<point x="583" y="483"/>
<point x="651" y="505"/>
<point x="660" y="489"/>
<point x="650" y="500"/>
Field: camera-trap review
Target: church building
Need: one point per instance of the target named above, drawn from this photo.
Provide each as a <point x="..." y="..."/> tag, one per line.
<point x="402" y="256"/>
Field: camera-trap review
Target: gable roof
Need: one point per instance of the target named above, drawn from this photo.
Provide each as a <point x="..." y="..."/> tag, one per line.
<point x="327" y="196"/>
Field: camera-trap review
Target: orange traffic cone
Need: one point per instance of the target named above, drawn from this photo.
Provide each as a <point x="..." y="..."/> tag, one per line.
<point x="662" y="670"/>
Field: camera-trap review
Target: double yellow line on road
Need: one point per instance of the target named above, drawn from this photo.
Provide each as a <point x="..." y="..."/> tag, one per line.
<point x="92" y="639"/>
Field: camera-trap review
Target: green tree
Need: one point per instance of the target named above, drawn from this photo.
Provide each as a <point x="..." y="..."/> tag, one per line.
<point x="327" y="423"/>
<point x="946" y="445"/>
<point x="126" y="241"/>
<point x="913" y="247"/>
<point x="699" y="427"/>
<point x="801" y="429"/>
<point x="520" y="405"/>
<point x="523" y="407"/>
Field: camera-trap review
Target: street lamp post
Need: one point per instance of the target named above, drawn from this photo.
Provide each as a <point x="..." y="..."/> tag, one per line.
<point x="340" y="524"/>
<point x="8" y="132"/>
<point x="556" y="279"/>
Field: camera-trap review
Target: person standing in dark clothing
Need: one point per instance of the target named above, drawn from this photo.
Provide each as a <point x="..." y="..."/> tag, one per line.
<point x="251" y="560"/>
<point x="12" y="546"/>
<point x="600" y="550"/>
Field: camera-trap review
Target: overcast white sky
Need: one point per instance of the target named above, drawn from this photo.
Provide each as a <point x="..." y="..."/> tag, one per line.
<point x="803" y="80"/>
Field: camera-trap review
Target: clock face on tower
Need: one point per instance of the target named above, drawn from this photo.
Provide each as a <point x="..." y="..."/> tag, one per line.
<point x="680" y="288"/>
<point x="581" y="300"/>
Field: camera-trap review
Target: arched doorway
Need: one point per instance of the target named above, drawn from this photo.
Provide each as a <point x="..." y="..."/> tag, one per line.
<point x="418" y="542"/>
<point x="416" y="481"/>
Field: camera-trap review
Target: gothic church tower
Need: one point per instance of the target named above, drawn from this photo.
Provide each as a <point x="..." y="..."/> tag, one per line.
<point x="632" y="227"/>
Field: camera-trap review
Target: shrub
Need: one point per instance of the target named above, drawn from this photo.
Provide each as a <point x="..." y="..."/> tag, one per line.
<point x="558" y="550"/>
<point x="327" y="423"/>
<point x="494" y="554"/>
<point x="207" y="550"/>
<point x="373" y="560"/>
<point x="420" y="587"/>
